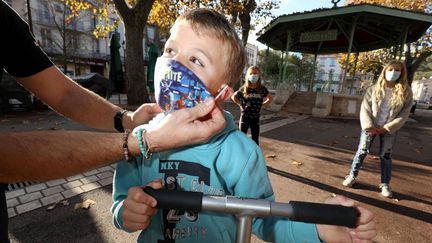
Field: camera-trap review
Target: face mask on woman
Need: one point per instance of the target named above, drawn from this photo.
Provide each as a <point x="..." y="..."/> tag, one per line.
<point x="392" y="76"/>
<point x="253" y="78"/>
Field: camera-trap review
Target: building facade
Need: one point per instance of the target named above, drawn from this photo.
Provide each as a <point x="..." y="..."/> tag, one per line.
<point x="252" y="54"/>
<point x="70" y="43"/>
<point x="329" y="74"/>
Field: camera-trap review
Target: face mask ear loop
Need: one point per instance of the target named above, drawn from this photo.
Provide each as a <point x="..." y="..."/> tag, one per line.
<point x="221" y="92"/>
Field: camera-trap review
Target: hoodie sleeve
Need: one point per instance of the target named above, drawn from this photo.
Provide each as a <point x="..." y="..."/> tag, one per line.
<point x="402" y="117"/>
<point x="254" y="183"/>
<point x="126" y="176"/>
<point x="366" y="120"/>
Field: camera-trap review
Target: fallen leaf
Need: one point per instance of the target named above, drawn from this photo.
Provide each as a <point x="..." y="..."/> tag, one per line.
<point x="374" y="157"/>
<point x="296" y="163"/>
<point x="52" y="206"/>
<point x="396" y="200"/>
<point x="85" y="205"/>
<point x="333" y="195"/>
<point x="271" y="156"/>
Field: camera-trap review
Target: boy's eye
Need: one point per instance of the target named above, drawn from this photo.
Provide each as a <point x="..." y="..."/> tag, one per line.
<point x="196" y="61"/>
<point x="168" y="50"/>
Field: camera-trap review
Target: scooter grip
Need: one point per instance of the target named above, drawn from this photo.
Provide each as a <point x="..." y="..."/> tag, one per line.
<point x="320" y="213"/>
<point x="181" y="200"/>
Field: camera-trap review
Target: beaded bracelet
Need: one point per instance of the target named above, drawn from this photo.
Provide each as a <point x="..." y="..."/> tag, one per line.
<point x="143" y="144"/>
<point x="125" y="145"/>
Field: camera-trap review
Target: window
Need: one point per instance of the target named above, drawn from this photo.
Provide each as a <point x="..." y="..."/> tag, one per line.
<point x="151" y="33"/>
<point x="44" y="14"/>
<point x="46" y="38"/>
<point x="331" y="75"/>
<point x="332" y="62"/>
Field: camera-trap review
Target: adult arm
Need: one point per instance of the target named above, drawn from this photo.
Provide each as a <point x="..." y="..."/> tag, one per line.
<point x="56" y="154"/>
<point x="46" y="155"/>
<point x="71" y="100"/>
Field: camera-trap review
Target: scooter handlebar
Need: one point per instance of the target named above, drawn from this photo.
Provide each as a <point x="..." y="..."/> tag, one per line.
<point x="171" y="199"/>
<point x="320" y="213"/>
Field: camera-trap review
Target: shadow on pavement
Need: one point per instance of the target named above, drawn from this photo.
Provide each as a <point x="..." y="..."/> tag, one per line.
<point x="66" y="224"/>
<point x="62" y="224"/>
<point x="403" y="210"/>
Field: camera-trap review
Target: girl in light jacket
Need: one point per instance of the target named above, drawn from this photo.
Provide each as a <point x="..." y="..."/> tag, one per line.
<point x="384" y="110"/>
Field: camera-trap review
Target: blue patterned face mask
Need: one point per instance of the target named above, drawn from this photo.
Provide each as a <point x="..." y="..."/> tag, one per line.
<point x="177" y="87"/>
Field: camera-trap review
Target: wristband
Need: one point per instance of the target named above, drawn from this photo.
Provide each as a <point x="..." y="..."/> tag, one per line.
<point x="118" y="120"/>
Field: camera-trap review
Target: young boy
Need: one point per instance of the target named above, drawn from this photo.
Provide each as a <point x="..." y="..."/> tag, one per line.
<point x="229" y="164"/>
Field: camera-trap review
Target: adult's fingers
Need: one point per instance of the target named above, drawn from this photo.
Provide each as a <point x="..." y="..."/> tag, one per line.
<point x="200" y="110"/>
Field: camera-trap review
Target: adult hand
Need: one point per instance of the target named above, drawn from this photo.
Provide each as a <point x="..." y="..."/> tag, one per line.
<point x="142" y="115"/>
<point x="364" y="232"/>
<point x="139" y="207"/>
<point x="186" y="127"/>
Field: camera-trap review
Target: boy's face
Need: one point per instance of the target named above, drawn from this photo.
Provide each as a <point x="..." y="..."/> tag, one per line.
<point x="202" y="54"/>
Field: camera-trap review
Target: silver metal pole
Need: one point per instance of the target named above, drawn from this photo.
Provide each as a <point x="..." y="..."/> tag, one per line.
<point x="313" y="72"/>
<point x="405" y="36"/>
<point x="244" y="229"/>
<point x="286" y="55"/>
<point x="354" y="74"/>
<point x="349" y="52"/>
<point x="280" y="68"/>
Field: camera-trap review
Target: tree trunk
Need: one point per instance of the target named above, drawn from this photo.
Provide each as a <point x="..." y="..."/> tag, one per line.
<point x="413" y="63"/>
<point x="136" y="81"/>
<point x="135" y="19"/>
<point x="245" y="20"/>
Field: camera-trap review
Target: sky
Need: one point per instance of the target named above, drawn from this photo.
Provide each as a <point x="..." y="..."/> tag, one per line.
<point x="292" y="6"/>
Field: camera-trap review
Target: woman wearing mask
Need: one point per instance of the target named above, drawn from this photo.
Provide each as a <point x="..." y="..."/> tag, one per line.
<point x="251" y="97"/>
<point x="384" y="110"/>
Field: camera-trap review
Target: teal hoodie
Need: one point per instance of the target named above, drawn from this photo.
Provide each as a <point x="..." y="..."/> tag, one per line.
<point x="229" y="164"/>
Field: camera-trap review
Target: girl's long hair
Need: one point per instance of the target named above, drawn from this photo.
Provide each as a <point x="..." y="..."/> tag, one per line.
<point x="247" y="82"/>
<point x="400" y="91"/>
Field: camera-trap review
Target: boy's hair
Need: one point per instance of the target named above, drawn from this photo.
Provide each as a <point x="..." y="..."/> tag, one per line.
<point x="206" y="20"/>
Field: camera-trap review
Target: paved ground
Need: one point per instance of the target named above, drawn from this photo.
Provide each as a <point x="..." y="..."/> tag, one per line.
<point x="322" y="147"/>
